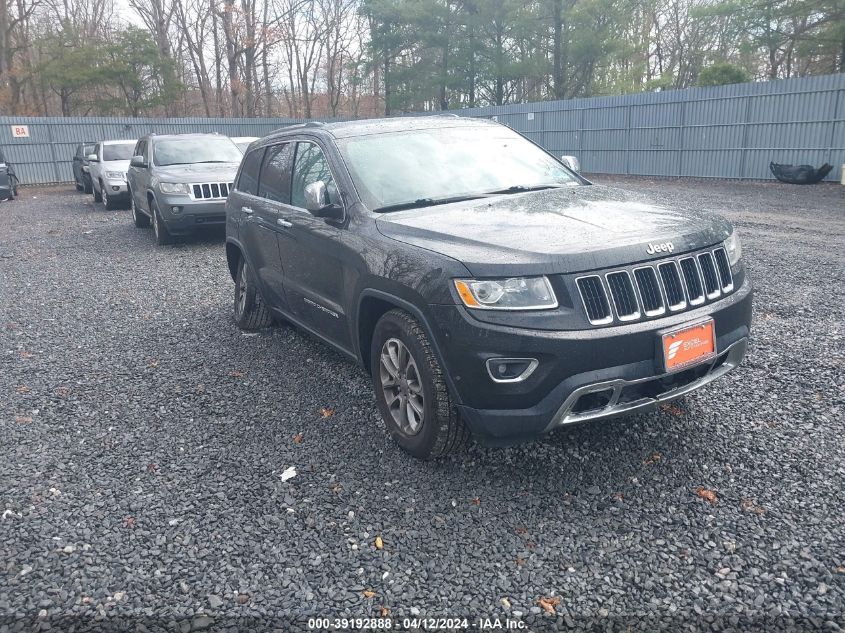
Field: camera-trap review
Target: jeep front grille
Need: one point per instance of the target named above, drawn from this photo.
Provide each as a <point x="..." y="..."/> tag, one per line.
<point x="651" y="290"/>
<point x="210" y="190"/>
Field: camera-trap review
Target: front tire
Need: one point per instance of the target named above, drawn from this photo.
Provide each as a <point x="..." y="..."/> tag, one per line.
<point x="159" y="228"/>
<point x="98" y="195"/>
<point x="108" y="201"/>
<point x="411" y="392"/>
<point x="141" y="221"/>
<point x="250" y="311"/>
<point x="87" y="186"/>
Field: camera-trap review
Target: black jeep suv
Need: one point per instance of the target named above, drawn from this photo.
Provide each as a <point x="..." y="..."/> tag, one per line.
<point x="488" y="289"/>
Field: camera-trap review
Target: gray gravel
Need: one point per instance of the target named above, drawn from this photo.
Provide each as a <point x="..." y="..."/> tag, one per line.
<point x="143" y="439"/>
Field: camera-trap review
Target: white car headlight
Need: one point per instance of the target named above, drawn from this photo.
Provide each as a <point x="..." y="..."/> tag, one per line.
<point x="514" y="293"/>
<point x="173" y="187"/>
<point x="734" y="248"/>
<point x="116" y="175"/>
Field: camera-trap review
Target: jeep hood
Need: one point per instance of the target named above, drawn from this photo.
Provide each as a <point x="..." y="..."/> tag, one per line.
<point x="570" y="229"/>
<point x="198" y="172"/>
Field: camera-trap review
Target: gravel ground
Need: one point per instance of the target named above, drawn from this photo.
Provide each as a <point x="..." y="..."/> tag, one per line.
<point x="143" y="440"/>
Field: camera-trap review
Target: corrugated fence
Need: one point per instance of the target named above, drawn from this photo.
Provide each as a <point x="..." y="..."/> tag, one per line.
<point x="46" y="155"/>
<point x="721" y="132"/>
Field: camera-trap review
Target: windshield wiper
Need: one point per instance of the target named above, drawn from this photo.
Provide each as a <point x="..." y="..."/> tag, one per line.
<point x="523" y="188"/>
<point x="427" y="202"/>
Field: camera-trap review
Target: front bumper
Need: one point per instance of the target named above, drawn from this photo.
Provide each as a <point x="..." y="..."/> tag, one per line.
<point x="117" y="189"/>
<point x="192" y="214"/>
<point x="582" y="375"/>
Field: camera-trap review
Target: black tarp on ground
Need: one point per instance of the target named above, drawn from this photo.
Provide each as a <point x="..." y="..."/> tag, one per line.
<point x="799" y="174"/>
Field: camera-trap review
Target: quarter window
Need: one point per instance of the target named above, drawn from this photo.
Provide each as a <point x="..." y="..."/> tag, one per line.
<point x="248" y="180"/>
<point x="275" y="173"/>
<point x="311" y="165"/>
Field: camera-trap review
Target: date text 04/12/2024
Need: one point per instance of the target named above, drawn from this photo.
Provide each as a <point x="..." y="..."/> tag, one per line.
<point x="415" y="623"/>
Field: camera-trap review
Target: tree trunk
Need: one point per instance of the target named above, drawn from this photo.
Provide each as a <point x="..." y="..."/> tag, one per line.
<point x="557" y="17"/>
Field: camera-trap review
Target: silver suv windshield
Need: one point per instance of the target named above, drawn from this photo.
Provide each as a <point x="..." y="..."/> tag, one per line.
<point x="118" y="151"/>
<point x="189" y="151"/>
<point x="418" y="168"/>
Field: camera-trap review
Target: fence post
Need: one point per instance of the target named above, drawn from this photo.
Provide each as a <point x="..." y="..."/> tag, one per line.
<point x="53" y="151"/>
<point x="628" y="139"/>
<point x="832" y="137"/>
<point x="744" y="148"/>
<point x="682" y="135"/>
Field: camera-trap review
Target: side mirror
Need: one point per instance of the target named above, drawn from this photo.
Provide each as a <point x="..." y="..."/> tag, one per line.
<point x="138" y="161"/>
<point x="572" y="162"/>
<point x="317" y="202"/>
<point x="92" y="158"/>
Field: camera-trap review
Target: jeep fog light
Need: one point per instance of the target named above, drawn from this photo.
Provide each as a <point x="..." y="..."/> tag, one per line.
<point x="176" y="210"/>
<point x="511" y="369"/>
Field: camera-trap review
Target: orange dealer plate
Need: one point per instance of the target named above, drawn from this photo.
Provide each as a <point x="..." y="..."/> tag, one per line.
<point x="689" y="346"/>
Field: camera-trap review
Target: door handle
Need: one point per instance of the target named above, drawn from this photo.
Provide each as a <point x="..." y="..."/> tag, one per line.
<point x="247" y="210"/>
<point x="284" y="223"/>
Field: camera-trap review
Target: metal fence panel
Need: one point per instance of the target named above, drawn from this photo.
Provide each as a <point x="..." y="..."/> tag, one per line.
<point x="46" y="155"/>
<point x="720" y="132"/>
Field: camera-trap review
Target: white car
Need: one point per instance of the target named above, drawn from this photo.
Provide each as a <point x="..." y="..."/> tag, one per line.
<point x="243" y="141"/>
<point x="108" y="166"/>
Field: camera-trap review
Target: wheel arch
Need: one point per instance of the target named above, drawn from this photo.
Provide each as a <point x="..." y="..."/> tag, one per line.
<point x="372" y="305"/>
<point x="234" y="254"/>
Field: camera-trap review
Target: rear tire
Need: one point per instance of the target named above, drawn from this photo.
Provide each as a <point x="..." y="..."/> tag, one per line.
<point x="141" y="221"/>
<point x="78" y="186"/>
<point x="250" y="311"/>
<point x="408" y="381"/>
<point x="160" y="231"/>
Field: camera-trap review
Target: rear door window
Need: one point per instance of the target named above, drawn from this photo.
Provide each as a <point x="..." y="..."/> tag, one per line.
<point x="275" y="173"/>
<point x="251" y="167"/>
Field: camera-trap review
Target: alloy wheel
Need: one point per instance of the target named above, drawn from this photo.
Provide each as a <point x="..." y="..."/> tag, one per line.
<point x="242" y="288"/>
<point x="402" y="386"/>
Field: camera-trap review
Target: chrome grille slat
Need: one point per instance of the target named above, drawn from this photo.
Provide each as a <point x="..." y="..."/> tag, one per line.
<point x="651" y="297"/>
<point x="210" y="190"/>
<point x="594" y="299"/>
<point x="723" y="265"/>
<point x="692" y="281"/>
<point x="670" y="274"/>
<point x="624" y="297"/>
<point x="712" y="287"/>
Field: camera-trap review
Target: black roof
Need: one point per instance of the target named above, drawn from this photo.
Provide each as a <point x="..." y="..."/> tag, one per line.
<point x="365" y="127"/>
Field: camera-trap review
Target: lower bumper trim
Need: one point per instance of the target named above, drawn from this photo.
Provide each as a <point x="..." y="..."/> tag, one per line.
<point x="622" y="395"/>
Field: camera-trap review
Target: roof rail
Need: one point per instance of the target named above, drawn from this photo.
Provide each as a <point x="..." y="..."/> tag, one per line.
<point x="451" y="114"/>
<point x="314" y="124"/>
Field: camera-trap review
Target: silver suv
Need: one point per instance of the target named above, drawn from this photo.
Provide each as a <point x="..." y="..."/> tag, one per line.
<point x="107" y="167"/>
<point x="179" y="182"/>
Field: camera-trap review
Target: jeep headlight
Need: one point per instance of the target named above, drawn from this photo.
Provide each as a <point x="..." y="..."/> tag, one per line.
<point x="115" y="175"/>
<point x="733" y="248"/>
<point x="513" y="293"/>
<point x="173" y="187"/>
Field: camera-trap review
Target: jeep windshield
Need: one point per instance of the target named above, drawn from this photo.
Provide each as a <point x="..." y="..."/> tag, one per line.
<point x="420" y="168"/>
<point x="189" y="151"/>
<point x="118" y="151"/>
